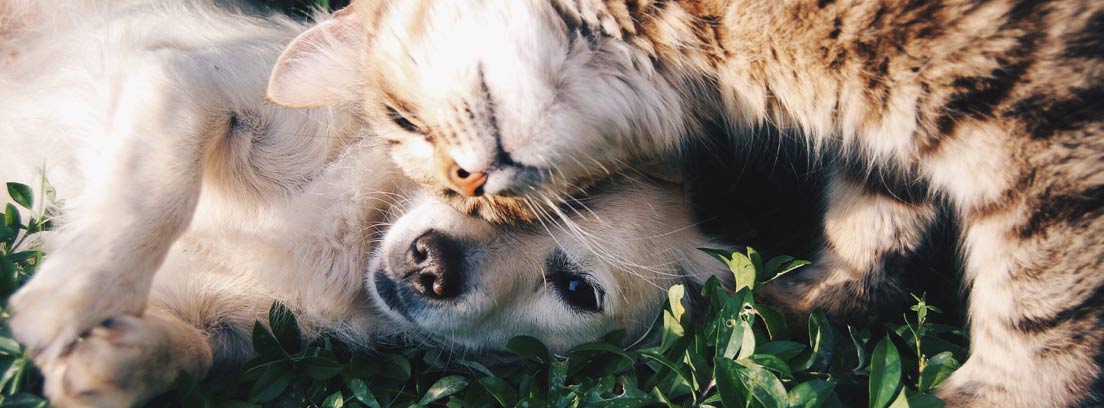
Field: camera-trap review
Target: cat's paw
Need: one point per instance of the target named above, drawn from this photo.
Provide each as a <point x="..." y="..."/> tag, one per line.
<point x="122" y="362"/>
<point x="786" y="296"/>
<point x="52" y="310"/>
<point x="821" y="287"/>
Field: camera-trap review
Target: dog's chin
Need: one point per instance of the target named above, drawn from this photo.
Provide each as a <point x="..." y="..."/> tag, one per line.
<point x="388" y="298"/>
<point x="403" y="311"/>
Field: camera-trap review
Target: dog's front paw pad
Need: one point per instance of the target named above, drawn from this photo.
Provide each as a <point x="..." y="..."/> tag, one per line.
<point x="118" y="363"/>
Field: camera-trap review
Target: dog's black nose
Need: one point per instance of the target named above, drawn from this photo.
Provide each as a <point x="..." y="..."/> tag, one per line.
<point x="433" y="266"/>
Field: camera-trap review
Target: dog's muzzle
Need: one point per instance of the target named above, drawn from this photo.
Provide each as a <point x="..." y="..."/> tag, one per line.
<point x="430" y="272"/>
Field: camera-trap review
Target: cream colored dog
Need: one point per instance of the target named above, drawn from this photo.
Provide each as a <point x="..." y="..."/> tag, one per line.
<point x="189" y="204"/>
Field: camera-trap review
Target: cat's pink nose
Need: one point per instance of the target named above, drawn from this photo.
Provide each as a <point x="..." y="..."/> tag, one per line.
<point x="465" y="182"/>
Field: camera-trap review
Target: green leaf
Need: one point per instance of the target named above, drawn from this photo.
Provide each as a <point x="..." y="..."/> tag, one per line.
<point x="789" y="267"/>
<point x="397" y="367"/>
<point x="235" y="404"/>
<point x="443" y="388"/>
<point x="23" y="400"/>
<point x="810" y="394"/>
<point x="885" y="374"/>
<point x="938" y="368"/>
<point x="321" y="368"/>
<point x="678" y="369"/>
<point x="22" y="256"/>
<point x="9" y="381"/>
<point x="270" y="385"/>
<point x="335" y="400"/>
<point x="9" y="276"/>
<point x="362" y="393"/>
<point x="821" y="341"/>
<point x="9" y="346"/>
<point x="715" y="292"/>
<point x="603" y="347"/>
<point x="732" y="324"/>
<point x="933" y="345"/>
<point x="729" y="386"/>
<point x="756" y="262"/>
<point x="557" y="374"/>
<point x="743" y="269"/>
<point x="12" y="219"/>
<point x="672" y="330"/>
<point x="763" y="386"/>
<point x="21" y="194"/>
<point x="747" y="345"/>
<point x="925" y="401"/>
<point x="614" y="392"/>
<point x="529" y="348"/>
<point x="860" y="351"/>
<point x="774" y="322"/>
<point x="6" y="234"/>
<point x="901" y="401"/>
<point x="675" y="294"/>
<point x="475" y="366"/>
<point x="500" y="390"/>
<point x="774" y="265"/>
<point x="698" y="360"/>
<point x="662" y="398"/>
<point x="783" y="349"/>
<point x="284" y="327"/>
<point x="772" y="363"/>
<point x="720" y="254"/>
<point x="265" y="344"/>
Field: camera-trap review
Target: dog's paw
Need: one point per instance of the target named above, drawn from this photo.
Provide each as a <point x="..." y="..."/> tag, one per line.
<point x="51" y="311"/>
<point x="123" y="362"/>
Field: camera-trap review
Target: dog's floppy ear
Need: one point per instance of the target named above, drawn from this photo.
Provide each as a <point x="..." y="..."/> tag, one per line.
<point x="320" y="66"/>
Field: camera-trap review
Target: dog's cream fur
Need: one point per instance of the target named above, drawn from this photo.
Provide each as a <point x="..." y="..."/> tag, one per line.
<point x="189" y="204"/>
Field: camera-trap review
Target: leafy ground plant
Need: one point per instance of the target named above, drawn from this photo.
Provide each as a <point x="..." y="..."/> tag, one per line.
<point x="728" y="350"/>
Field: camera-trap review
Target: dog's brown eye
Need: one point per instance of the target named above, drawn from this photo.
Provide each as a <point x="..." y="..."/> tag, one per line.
<point x="572" y="285"/>
<point x="402" y="121"/>
<point x="580" y="293"/>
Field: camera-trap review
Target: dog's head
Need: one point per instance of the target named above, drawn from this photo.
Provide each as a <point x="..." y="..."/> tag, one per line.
<point x="501" y="108"/>
<point x="603" y="264"/>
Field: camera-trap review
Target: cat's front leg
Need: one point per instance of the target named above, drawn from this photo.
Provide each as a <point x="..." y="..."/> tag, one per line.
<point x="126" y="361"/>
<point x="114" y="237"/>
<point x="869" y="234"/>
<point x="1036" y="302"/>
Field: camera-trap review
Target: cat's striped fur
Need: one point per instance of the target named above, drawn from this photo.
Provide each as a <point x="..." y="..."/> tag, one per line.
<point x="995" y="106"/>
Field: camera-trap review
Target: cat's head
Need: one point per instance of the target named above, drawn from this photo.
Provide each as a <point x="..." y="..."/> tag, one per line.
<point x="463" y="282"/>
<point x="501" y="108"/>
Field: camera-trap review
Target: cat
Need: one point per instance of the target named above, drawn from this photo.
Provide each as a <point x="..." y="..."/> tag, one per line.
<point x="994" y="107"/>
<point x="187" y="205"/>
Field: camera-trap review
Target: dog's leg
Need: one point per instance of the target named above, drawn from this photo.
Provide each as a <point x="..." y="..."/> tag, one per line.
<point x="867" y="232"/>
<point x="104" y="257"/>
<point x="126" y="361"/>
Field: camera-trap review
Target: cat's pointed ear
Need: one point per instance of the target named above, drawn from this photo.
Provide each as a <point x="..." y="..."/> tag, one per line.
<point x="320" y="67"/>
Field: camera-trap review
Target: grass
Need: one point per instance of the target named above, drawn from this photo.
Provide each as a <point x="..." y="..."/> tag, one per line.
<point x="733" y="352"/>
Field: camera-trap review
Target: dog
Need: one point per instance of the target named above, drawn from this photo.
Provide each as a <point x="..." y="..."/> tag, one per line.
<point x="188" y="204"/>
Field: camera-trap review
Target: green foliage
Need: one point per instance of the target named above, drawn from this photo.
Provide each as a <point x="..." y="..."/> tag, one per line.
<point x="20" y="254"/>
<point x="733" y="352"/>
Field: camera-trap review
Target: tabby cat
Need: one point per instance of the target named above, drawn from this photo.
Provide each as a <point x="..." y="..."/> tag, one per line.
<point x="994" y="106"/>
